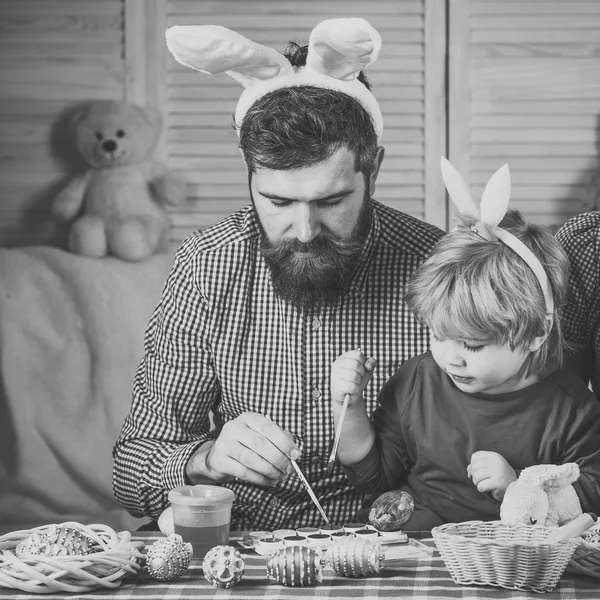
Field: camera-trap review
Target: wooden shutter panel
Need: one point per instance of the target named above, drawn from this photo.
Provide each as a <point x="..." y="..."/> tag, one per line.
<point x="525" y="90"/>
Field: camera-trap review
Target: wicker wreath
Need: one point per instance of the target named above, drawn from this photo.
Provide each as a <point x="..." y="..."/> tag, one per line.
<point x="69" y="557"/>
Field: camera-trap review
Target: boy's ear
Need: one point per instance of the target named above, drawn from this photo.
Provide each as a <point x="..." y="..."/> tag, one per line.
<point x="375" y="172"/>
<point x="537" y="342"/>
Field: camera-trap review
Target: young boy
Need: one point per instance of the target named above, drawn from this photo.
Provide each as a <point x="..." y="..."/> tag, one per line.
<point x="455" y="425"/>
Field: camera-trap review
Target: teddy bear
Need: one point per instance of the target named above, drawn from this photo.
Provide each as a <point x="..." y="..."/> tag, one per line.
<point x="118" y="206"/>
<point x="542" y="495"/>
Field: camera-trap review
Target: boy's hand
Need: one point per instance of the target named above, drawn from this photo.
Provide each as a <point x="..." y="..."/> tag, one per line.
<point x="350" y="374"/>
<point x="491" y="473"/>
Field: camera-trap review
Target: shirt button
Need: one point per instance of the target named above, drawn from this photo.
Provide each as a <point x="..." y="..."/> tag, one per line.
<point x="316" y="323"/>
<point x="273" y="503"/>
<point x="316" y="459"/>
<point x="316" y="393"/>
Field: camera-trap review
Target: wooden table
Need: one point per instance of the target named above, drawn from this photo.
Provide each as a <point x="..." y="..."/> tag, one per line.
<point x="426" y="578"/>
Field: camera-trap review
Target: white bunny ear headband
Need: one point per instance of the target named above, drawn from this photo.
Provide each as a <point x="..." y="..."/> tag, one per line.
<point x="493" y="207"/>
<point x="338" y="49"/>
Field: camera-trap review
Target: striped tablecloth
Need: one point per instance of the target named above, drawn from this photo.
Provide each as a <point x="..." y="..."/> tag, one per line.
<point x="426" y="578"/>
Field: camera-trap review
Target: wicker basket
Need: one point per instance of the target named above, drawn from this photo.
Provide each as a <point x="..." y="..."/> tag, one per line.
<point x="586" y="559"/>
<point x="494" y="553"/>
<point x="111" y="557"/>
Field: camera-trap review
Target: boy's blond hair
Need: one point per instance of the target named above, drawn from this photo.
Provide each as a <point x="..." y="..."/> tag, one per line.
<point x="472" y="288"/>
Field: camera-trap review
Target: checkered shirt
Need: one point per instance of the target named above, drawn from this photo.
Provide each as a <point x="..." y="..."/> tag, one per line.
<point x="580" y="237"/>
<point x="221" y="341"/>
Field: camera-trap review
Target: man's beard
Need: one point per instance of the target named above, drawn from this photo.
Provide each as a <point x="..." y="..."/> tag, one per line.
<point x="307" y="283"/>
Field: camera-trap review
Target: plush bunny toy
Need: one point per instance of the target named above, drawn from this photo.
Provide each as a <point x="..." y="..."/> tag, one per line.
<point x="338" y="49"/>
<point x="542" y="495"/>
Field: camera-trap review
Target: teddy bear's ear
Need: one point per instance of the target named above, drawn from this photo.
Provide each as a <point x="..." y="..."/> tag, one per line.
<point x="153" y="116"/>
<point x="80" y="115"/>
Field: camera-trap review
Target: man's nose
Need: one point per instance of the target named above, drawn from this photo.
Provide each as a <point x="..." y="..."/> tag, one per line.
<point x="307" y="222"/>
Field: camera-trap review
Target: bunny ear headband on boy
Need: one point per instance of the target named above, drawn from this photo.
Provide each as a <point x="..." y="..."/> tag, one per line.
<point x="493" y="207"/>
<point x="338" y="49"/>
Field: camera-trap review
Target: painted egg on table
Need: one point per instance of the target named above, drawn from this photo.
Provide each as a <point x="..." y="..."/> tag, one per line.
<point x="391" y="510"/>
<point x="295" y="566"/>
<point x="168" y="558"/>
<point x="223" y="566"/>
<point x="356" y="557"/>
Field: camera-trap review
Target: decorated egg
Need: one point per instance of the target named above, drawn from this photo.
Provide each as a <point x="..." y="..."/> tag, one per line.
<point x="223" y="566"/>
<point x="592" y="535"/>
<point x="391" y="510"/>
<point x="168" y="558"/>
<point x="355" y="557"/>
<point x="57" y="540"/>
<point x="295" y="566"/>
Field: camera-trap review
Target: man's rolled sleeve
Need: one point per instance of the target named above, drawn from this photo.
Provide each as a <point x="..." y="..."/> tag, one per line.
<point x="174" y="467"/>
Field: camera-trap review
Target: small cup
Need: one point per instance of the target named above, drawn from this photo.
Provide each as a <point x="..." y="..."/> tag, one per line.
<point x="294" y="540"/>
<point x="306" y="531"/>
<point x="318" y="540"/>
<point x="251" y="538"/>
<point x="269" y="545"/>
<point x="202" y="515"/>
<point x="283" y="533"/>
<point x="367" y="534"/>
<point x="340" y="535"/>
<point x="329" y="529"/>
<point x="354" y="527"/>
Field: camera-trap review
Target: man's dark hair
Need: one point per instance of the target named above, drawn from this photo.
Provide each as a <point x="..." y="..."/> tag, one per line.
<point x="297" y="54"/>
<point x="296" y="127"/>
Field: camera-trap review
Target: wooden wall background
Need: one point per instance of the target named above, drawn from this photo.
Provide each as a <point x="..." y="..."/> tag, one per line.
<point x="524" y="89"/>
<point x="481" y="81"/>
<point x="53" y="54"/>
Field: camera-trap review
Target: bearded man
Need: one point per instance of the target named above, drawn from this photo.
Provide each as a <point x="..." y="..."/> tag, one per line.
<point x="235" y="378"/>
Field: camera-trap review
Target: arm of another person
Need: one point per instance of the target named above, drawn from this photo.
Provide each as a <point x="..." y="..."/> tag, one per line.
<point x="580" y="359"/>
<point x="580" y="238"/>
<point x="166" y="440"/>
<point x="580" y="435"/>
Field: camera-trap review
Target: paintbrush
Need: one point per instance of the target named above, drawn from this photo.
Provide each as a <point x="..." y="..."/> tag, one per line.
<point x="338" y="435"/>
<point x="312" y="495"/>
<point x="305" y="483"/>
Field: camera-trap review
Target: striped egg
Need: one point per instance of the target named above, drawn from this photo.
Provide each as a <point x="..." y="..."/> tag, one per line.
<point x="295" y="566"/>
<point x="355" y="557"/>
